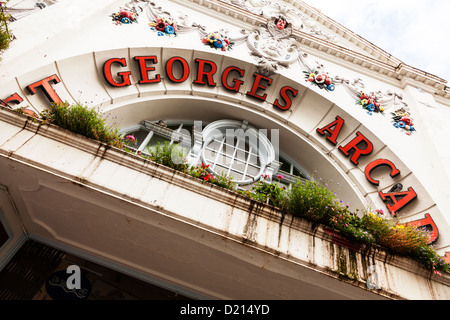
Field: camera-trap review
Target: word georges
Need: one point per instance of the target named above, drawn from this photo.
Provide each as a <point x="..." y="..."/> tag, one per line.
<point x="227" y="309"/>
<point x="178" y="70"/>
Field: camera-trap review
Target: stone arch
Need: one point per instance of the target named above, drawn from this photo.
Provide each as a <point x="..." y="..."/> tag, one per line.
<point x="82" y="79"/>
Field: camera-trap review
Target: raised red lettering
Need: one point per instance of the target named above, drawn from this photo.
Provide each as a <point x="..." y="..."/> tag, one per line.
<point x="353" y="145"/>
<point x="47" y="88"/>
<point x="377" y="163"/>
<point x="237" y="83"/>
<point x="257" y="86"/>
<point x="14" y="98"/>
<point x="142" y="60"/>
<point x="184" y="69"/>
<point x="124" y="75"/>
<point x="334" y="133"/>
<point x="201" y="73"/>
<point x="427" y="221"/>
<point x="285" y="96"/>
<point x="405" y="197"/>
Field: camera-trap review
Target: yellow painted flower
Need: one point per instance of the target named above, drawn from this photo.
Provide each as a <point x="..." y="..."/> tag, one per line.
<point x="212" y="37"/>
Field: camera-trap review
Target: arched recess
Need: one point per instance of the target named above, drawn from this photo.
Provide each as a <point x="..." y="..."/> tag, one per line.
<point x="199" y="97"/>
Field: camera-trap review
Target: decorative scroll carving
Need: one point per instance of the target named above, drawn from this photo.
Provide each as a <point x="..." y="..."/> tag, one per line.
<point x="392" y="100"/>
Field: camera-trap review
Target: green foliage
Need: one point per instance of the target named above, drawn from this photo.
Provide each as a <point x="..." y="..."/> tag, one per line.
<point x="309" y="199"/>
<point x="223" y="181"/>
<point x="169" y="155"/>
<point x="350" y="225"/>
<point x="312" y="200"/>
<point x="5" y="35"/>
<point x="82" y="120"/>
<point x="219" y="179"/>
<point x="269" y="193"/>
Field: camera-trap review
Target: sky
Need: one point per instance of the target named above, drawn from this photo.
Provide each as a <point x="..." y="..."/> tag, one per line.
<point x="413" y="31"/>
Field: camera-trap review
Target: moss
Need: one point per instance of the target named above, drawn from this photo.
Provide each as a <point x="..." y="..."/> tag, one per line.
<point x="353" y="265"/>
<point x="341" y="262"/>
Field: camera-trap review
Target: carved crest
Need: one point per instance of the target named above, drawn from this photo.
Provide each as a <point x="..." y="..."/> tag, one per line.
<point x="274" y="45"/>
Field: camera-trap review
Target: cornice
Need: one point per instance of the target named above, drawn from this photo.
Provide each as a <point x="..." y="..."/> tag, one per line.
<point x="377" y="60"/>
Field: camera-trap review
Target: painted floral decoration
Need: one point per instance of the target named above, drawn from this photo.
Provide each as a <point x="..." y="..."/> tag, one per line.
<point x="321" y="79"/>
<point x="370" y="103"/>
<point x="124" y="17"/>
<point x="402" y="120"/>
<point x="218" y="41"/>
<point x="164" y="27"/>
<point x="281" y="23"/>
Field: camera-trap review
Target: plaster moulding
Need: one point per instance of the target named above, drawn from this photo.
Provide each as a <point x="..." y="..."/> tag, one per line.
<point x="376" y="58"/>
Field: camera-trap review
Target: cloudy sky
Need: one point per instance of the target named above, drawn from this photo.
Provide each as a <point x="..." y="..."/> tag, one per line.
<point x="414" y="31"/>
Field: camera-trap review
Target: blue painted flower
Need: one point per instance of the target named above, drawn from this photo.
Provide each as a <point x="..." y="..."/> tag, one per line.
<point x="401" y="124"/>
<point x="169" y="30"/>
<point x="331" y="87"/>
<point x="371" y="107"/>
<point x="126" y="20"/>
<point x="218" y="43"/>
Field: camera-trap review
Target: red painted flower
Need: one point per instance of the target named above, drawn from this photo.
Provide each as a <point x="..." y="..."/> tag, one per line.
<point x="407" y="120"/>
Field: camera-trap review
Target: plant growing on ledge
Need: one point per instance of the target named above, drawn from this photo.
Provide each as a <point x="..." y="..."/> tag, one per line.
<point x="269" y="192"/>
<point x="170" y="155"/>
<point x="308" y="199"/>
<point x="219" y="179"/>
<point x="312" y="200"/>
<point x="5" y="35"/>
<point x="82" y="120"/>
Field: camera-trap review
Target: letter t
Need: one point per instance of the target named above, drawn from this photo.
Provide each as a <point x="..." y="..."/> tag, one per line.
<point x="47" y="88"/>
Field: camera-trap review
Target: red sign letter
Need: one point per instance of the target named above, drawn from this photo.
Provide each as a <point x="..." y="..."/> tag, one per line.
<point x="144" y="69"/>
<point x="49" y="92"/>
<point x="201" y="72"/>
<point x="353" y="145"/>
<point x="286" y="98"/>
<point x="237" y="83"/>
<point x="334" y="133"/>
<point x="257" y="85"/>
<point x="406" y="197"/>
<point x="184" y="73"/>
<point x="124" y="75"/>
<point x="380" y="162"/>
<point x="12" y="98"/>
<point x="427" y="221"/>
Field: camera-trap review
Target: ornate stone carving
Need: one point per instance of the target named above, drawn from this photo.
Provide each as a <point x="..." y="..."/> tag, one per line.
<point x="273" y="45"/>
<point x="298" y="19"/>
<point x="392" y="100"/>
<point x="155" y="12"/>
<point x="353" y="88"/>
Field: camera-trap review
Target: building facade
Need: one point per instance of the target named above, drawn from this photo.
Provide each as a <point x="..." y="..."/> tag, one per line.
<point x="251" y="88"/>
